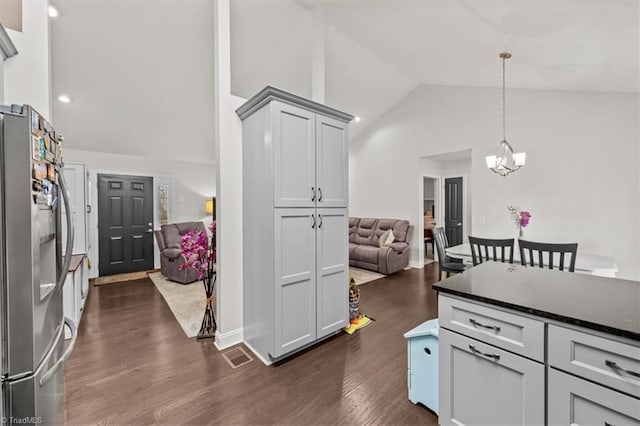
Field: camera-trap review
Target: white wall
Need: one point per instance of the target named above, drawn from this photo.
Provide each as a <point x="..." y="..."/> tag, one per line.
<point x="27" y="76"/>
<point x="228" y="149"/>
<point x="190" y="185"/>
<point x="581" y="179"/>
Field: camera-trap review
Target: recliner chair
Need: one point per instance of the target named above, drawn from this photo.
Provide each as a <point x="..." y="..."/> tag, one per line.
<point x="169" y="238"/>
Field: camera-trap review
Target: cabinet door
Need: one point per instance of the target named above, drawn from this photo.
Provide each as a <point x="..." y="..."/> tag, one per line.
<point x="484" y="385"/>
<point x="573" y="401"/>
<point x="332" y="290"/>
<point x="294" y="156"/>
<point x="331" y="162"/>
<point x="74" y="175"/>
<point x="295" y="279"/>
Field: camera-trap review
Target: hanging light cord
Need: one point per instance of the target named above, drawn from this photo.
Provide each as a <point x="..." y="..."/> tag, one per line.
<point x="504" y="108"/>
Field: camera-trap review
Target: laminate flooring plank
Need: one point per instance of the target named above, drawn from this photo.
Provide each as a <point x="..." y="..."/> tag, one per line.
<point x="133" y="365"/>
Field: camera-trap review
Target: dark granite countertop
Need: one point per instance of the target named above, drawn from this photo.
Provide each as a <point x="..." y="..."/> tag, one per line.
<point x="605" y="304"/>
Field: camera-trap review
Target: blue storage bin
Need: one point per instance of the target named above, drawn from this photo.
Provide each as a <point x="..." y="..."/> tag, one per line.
<point x="422" y="375"/>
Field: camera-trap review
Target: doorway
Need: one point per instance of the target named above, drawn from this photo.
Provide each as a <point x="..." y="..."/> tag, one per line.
<point x="125" y="224"/>
<point x="429" y="209"/>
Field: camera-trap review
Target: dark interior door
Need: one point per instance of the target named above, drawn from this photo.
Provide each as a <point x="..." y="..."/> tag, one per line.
<point x="453" y="211"/>
<point x="125" y="224"/>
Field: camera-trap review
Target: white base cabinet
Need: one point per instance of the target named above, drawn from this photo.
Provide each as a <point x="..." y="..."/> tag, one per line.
<point x="295" y="223"/>
<point x="483" y="385"/>
<point x="573" y="401"/>
<point x="491" y="372"/>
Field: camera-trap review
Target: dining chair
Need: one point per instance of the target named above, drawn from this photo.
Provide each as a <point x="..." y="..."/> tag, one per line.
<point x="491" y="247"/>
<point x="428" y="240"/>
<point x="445" y="263"/>
<point x="550" y="249"/>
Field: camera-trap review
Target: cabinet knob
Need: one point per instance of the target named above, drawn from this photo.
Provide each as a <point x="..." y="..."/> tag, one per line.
<point x="319" y="194"/>
<point x="313" y="193"/>
<point x="313" y="221"/>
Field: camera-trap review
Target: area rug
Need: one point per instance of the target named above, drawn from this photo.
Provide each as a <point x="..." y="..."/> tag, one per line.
<point x="187" y="302"/>
<point x="362" y="276"/>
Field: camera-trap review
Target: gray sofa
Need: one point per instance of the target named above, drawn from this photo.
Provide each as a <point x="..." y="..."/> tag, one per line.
<point x="364" y="244"/>
<point x="169" y="238"/>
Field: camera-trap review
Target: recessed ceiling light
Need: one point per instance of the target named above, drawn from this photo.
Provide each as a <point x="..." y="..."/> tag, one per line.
<point x="53" y="12"/>
<point x="357" y="119"/>
<point x="64" y="99"/>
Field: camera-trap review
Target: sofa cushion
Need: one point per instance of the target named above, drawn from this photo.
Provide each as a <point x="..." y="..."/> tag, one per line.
<point x="353" y="227"/>
<point x="383" y="226"/>
<point x="352" y="250"/>
<point x="185" y="227"/>
<point x="365" y="232"/>
<point x="172" y="236"/>
<point x="399" y="247"/>
<point x="171" y="253"/>
<point x="400" y="230"/>
<point x="366" y="253"/>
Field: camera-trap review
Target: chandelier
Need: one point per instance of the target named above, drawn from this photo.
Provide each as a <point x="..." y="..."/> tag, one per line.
<point x="505" y="161"/>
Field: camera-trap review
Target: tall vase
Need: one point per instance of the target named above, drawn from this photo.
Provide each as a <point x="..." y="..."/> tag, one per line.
<point x="209" y="326"/>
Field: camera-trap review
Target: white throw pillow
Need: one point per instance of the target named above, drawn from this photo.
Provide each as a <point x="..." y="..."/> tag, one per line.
<point x="386" y="238"/>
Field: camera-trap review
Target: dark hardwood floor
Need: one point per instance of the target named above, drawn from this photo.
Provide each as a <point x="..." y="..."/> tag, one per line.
<point x="133" y="365"/>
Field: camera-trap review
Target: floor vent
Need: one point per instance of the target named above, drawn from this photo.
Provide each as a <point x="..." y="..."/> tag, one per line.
<point x="237" y="357"/>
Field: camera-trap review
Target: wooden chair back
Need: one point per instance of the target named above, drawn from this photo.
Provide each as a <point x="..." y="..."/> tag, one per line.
<point x="536" y="251"/>
<point x="490" y="248"/>
<point x="442" y="243"/>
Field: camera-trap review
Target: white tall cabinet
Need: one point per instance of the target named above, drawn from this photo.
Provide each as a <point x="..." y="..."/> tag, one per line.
<point x="295" y="238"/>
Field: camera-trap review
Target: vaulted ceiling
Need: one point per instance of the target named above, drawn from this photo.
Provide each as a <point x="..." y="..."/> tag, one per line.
<point x="140" y="73"/>
<point x="378" y="51"/>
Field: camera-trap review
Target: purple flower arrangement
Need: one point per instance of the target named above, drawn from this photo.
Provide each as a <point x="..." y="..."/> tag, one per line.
<point x="197" y="252"/>
<point x="524" y="218"/>
<point x="201" y="256"/>
<point x="520" y="217"/>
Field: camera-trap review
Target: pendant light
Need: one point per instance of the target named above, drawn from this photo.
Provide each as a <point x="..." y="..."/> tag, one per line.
<point x="505" y="161"/>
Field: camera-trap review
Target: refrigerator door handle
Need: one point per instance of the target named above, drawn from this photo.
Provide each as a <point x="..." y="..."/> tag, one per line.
<point x="70" y="231"/>
<point x="74" y="335"/>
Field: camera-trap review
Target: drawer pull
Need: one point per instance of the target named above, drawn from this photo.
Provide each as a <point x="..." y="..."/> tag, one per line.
<point x="489" y="327"/>
<point x="608" y="424"/>
<point x="616" y="367"/>
<point x="496" y="357"/>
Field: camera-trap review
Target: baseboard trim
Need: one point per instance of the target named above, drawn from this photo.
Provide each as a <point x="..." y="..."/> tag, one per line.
<point x="260" y="357"/>
<point x="225" y="340"/>
<point x="416" y="264"/>
<point x="121" y="278"/>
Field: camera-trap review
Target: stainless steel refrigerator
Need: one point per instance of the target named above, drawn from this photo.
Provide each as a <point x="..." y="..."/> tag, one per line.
<point x="32" y="268"/>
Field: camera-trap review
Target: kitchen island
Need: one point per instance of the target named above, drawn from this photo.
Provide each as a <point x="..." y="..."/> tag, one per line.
<point x="525" y="345"/>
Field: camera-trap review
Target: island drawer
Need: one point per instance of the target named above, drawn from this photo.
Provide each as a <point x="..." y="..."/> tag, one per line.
<point x="573" y="401"/>
<point x="515" y="333"/>
<point x="611" y="363"/>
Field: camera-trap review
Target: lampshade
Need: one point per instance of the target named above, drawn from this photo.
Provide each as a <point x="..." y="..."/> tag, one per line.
<point x="208" y="206"/>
